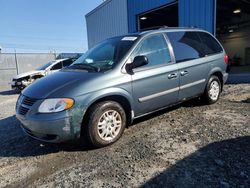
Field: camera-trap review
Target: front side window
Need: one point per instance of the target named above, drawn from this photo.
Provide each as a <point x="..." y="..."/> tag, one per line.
<point x="46" y="65"/>
<point x="57" y="66"/>
<point x="67" y="62"/>
<point x="155" y="49"/>
<point x="187" y="45"/>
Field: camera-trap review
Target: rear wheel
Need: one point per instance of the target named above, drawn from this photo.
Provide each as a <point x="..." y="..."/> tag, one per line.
<point x="107" y="121"/>
<point x="213" y="90"/>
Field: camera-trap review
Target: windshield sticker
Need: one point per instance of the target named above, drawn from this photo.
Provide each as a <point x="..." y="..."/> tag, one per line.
<point x="129" y="38"/>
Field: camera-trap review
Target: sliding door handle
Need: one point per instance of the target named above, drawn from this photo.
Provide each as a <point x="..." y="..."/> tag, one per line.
<point x="183" y="73"/>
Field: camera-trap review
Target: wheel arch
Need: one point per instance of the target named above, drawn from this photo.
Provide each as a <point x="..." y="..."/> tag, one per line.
<point x="217" y="72"/>
<point x="119" y="97"/>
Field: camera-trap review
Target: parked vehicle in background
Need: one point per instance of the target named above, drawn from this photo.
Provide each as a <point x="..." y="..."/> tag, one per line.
<point x="22" y="80"/>
<point x="121" y="79"/>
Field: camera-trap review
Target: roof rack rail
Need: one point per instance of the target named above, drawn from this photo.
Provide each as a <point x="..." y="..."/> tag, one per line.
<point x="166" y="27"/>
<point x="150" y="28"/>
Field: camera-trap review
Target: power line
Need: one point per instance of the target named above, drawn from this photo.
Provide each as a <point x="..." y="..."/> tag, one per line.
<point x="42" y="38"/>
<point x="32" y="46"/>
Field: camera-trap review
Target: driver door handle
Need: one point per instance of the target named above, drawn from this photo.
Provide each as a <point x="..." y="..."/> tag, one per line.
<point x="172" y="76"/>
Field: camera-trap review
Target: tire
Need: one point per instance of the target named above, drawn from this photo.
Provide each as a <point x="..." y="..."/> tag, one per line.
<point x="213" y="90"/>
<point x="107" y="121"/>
<point x="18" y="90"/>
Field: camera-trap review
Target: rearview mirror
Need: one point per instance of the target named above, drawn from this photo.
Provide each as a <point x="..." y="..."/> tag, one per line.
<point x="138" y="62"/>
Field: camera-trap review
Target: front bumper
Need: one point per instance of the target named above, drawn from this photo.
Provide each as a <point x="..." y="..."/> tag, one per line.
<point x="16" y="84"/>
<point x="49" y="127"/>
<point x="13" y="84"/>
<point x="55" y="130"/>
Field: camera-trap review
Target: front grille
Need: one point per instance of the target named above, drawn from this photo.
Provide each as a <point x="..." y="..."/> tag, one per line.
<point x="29" y="101"/>
<point x="24" y="104"/>
<point x="22" y="110"/>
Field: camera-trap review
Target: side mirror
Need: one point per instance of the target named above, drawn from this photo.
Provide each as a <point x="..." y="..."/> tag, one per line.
<point x="138" y="62"/>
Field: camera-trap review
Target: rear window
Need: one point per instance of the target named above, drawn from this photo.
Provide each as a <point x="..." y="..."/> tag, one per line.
<point x="209" y="44"/>
<point x="187" y="45"/>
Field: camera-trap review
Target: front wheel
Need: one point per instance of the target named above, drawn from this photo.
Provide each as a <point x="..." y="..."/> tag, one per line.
<point x="213" y="90"/>
<point x="107" y="121"/>
<point x="18" y="90"/>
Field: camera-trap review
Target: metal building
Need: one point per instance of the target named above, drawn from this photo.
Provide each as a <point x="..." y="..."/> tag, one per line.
<point x="107" y="20"/>
<point x="227" y="19"/>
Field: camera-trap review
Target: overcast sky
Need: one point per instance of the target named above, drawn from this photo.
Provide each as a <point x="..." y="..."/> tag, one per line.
<point x="44" y="25"/>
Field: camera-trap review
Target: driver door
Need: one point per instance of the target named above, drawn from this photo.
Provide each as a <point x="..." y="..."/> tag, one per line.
<point x="156" y="84"/>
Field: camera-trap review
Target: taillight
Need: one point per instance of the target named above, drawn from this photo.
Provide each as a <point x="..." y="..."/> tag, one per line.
<point x="226" y="59"/>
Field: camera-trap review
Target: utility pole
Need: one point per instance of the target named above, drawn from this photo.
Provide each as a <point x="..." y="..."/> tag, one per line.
<point x="16" y="62"/>
<point x="54" y="51"/>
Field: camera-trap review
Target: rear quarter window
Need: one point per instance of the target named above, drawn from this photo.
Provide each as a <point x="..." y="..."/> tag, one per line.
<point x="209" y="44"/>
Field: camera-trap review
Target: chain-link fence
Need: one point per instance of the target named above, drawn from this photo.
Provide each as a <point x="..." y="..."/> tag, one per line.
<point x="12" y="64"/>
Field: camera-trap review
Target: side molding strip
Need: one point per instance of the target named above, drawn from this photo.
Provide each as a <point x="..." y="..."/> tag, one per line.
<point x="143" y="99"/>
<point x="149" y="97"/>
<point x="193" y="84"/>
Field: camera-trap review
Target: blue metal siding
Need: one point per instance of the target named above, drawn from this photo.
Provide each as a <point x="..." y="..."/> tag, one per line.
<point x="197" y="13"/>
<point x="136" y="7"/>
<point x="107" y="20"/>
<point x="192" y="13"/>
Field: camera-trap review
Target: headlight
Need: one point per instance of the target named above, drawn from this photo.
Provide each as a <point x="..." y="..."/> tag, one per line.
<point x="55" y="105"/>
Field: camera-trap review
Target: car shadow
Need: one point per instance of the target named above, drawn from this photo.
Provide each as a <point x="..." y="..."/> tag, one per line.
<point x="187" y="104"/>
<point x="220" y="164"/>
<point x="241" y="78"/>
<point x="15" y="143"/>
<point x="9" y="92"/>
<point x="246" y="101"/>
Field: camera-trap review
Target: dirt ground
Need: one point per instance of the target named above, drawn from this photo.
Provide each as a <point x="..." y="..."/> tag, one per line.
<point x="190" y="145"/>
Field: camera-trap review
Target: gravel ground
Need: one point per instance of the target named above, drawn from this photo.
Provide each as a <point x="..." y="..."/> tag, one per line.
<point x="190" y="145"/>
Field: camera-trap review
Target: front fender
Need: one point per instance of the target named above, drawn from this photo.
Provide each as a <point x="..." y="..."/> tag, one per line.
<point x="97" y="95"/>
<point x="83" y="102"/>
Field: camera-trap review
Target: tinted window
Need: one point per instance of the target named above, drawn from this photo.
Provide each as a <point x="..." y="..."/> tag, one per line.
<point x="67" y="63"/>
<point x="57" y="66"/>
<point x="155" y="49"/>
<point x="186" y="45"/>
<point x="209" y="44"/>
<point x="46" y="66"/>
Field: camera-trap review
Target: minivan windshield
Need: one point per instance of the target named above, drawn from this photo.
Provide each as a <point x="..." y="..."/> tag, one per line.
<point x="105" y="55"/>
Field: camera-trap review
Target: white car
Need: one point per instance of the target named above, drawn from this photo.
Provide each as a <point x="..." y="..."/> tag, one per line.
<point x="22" y="80"/>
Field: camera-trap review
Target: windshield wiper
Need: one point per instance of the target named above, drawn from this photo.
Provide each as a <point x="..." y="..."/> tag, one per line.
<point x="85" y="67"/>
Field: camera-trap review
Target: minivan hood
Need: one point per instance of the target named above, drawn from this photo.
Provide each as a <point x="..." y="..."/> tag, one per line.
<point x="62" y="82"/>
